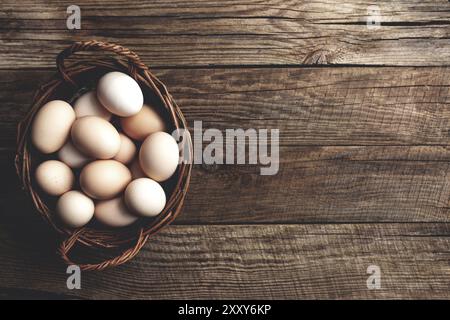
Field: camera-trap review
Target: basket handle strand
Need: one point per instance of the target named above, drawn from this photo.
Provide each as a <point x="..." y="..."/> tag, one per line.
<point x="128" y="254"/>
<point x="134" y="61"/>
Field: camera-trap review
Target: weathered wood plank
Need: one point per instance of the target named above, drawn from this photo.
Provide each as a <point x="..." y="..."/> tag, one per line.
<point x="323" y="185"/>
<point x="249" y="262"/>
<point x="310" y="106"/>
<point x="350" y="11"/>
<point x="213" y="33"/>
<point x="314" y="184"/>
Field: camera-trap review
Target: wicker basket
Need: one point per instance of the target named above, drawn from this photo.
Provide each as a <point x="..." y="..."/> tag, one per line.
<point x="107" y="247"/>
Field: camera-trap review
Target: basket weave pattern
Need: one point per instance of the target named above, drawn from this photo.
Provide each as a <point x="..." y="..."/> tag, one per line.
<point x="129" y="240"/>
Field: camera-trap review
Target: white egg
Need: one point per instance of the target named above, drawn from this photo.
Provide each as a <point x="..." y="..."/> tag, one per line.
<point x="95" y="137"/>
<point x="75" y="209"/>
<point x="51" y="126"/>
<point x="145" y="197"/>
<point x="104" y="179"/>
<point x="127" y="150"/>
<point x="88" y="105"/>
<point x="120" y="94"/>
<point x="114" y="213"/>
<point x="54" y="177"/>
<point x="159" y="156"/>
<point x="72" y="156"/>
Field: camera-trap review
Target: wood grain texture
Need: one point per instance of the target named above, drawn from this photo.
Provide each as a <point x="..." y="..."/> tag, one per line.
<point x="310" y="106"/>
<point x="217" y="33"/>
<point x="325" y="184"/>
<point x="314" y="184"/>
<point x="250" y="262"/>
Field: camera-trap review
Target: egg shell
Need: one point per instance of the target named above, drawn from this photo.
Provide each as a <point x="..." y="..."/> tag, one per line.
<point x="120" y="94"/>
<point x="88" y="105"/>
<point x="54" y="177"/>
<point x="145" y="197"/>
<point x="51" y="126"/>
<point x="136" y="170"/>
<point x="72" y="156"/>
<point x="75" y="209"/>
<point x="142" y="124"/>
<point x="127" y="150"/>
<point x="104" y="179"/>
<point x="159" y="156"/>
<point x="95" y="137"/>
<point x="114" y="213"/>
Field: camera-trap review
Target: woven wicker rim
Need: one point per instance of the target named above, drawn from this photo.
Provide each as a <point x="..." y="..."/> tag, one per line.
<point x="128" y="241"/>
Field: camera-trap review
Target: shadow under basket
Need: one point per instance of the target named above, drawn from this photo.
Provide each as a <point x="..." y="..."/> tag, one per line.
<point x="97" y="247"/>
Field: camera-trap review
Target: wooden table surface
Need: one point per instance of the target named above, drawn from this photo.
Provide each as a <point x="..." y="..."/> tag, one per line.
<point x="364" y="119"/>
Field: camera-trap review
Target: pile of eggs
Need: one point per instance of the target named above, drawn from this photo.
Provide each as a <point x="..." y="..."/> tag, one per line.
<point x="119" y="170"/>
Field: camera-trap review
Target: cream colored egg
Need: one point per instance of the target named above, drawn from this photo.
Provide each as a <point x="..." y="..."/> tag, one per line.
<point x="72" y="156"/>
<point x="54" y="177"/>
<point x="127" y="150"/>
<point x="51" y="126"/>
<point x="104" y="179"/>
<point x="159" y="156"/>
<point x="114" y="213"/>
<point x="120" y="94"/>
<point x="95" y="137"/>
<point x="145" y="197"/>
<point x="135" y="169"/>
<point x="88" y="105"/>
<point x="75" y="209"/>
<point x="142" y="124"/>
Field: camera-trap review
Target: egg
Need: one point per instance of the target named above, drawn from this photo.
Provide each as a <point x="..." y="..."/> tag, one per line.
<point x="71" y="156"/>
<point x="95" y="137"/>
<point x="145" y="197"/>
<point x="54" y="177"/>
<point x="88" y="105"/>
<point x="135" y="169"/>
<point x="75" y="209"/>
<point x="104" y="179"/>
<point x="159" y="156"/>
<point x="51" y="126"/>
<point x="142" y="124"/>
<point x="114" y="213"/>
<point x="120" y="94"/>
<point x="127" y="150"/>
